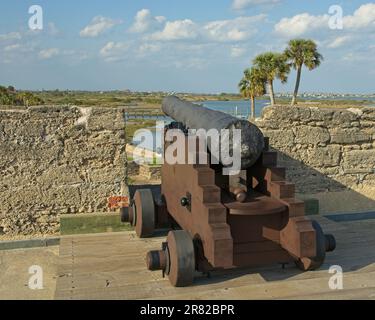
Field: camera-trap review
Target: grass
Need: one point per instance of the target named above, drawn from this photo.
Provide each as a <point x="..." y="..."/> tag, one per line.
<point x="91" y="223"/>
<point x="121" y="98"/>
<point x="134" y="125"/>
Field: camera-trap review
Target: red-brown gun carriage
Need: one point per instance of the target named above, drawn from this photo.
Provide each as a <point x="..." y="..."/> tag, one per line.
<point x="226" y="221"/>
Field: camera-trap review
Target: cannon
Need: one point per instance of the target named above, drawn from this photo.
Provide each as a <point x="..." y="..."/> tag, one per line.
<point x="220" y="222"/>
<point x="193" y="117"/>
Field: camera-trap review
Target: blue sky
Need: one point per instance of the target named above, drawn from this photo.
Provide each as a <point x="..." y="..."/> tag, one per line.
<point x="192" y="46"/>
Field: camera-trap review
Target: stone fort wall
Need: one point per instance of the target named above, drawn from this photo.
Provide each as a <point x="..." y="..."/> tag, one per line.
<point x="329" y="153"/>
<point x="58" y="160"/>
<point x="61" y="160"/>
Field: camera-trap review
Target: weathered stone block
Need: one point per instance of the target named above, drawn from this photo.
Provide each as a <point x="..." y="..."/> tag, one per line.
<point x="60" y="175"/>
<point x="267" y="124"/>
<point x="359" y="159"/>
<point x="283" y="114"/>
<point x="366" y="146"/>
<point x="77" y="151"/>
<point x="280" y="138"/>
<point x="311" y="135"/>
<point x="106" y="119"/>
<point x="107" y="174"/>
<point x="368" y="114"/>
<point x="108" y="137"/>
<point x="324" y="157"/>
<point x="323" y="116"/>
<point x="367" y="125"/>
<point x="349" y="136"/>
<point x="347" y="180"/>
<point x="95" y="196"/>
<point x="344" y="118"/>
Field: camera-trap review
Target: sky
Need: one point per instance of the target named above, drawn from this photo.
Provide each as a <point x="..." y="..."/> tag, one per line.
<point x="180" y="45"/>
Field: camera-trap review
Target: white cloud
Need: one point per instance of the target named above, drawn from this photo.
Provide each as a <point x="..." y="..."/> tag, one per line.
<point x="75" y="56"/>
<point x="144" y="21"/>
<point x="191" y="63"/>
<point x="363" y="17"/>
<point x="360" y="57"/>
<point x="339" y="42"/>
<point x="12" y="47"/>
<point x="237" y="51"/>
<point x="114" y="51"/>
<point x="18" y="52"/>
<point x="10" y="36"/>
<point x="177" y="30"/>
<point x="242" y="4"/>
<point x="300" y="24"/>
<point x="48" y="53"/>
<point x="237" y="29"/>
<point x="52" y="29"/>
<point x="146" y="48"/>
<point x="98" y="26"/>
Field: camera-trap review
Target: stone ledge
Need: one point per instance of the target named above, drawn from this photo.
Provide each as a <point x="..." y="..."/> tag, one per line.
<point x="32" y="243"/>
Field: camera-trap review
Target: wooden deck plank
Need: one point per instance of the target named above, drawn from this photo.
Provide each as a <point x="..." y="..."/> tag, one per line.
<point x="112" y="266"/>
<point x="283" y="289"/>
<point x="352" y="294"/>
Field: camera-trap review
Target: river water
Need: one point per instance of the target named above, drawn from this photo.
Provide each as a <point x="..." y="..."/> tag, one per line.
<point x="238" y="108"/>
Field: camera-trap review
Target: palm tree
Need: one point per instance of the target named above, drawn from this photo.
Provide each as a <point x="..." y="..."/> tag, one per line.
<point x="272" y="65"/>
<point x="302" y="52"/>
<point x="252" y="85"/>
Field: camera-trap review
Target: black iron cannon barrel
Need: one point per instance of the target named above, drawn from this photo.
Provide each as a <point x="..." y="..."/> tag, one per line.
<point x="194" y="116"/>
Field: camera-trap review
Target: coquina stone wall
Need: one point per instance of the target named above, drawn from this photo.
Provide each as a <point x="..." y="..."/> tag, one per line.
<point x="58" y="160"/>
<point x="329" y="153"/>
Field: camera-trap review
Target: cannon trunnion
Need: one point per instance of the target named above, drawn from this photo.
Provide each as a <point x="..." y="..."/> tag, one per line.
<point x="225" y="222"/>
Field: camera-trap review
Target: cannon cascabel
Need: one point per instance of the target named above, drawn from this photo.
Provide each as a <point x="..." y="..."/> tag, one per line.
<point x="193" y="116"/>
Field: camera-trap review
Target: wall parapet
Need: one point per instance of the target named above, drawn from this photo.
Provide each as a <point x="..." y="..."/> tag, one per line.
<point x="58" y="160"/>
<point x="324" y="149"/>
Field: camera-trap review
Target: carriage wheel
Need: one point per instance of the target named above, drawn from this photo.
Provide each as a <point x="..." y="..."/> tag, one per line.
<point x="180" y="258"/>
<point x="143" y="212"/>
<point x="307" y="264"/>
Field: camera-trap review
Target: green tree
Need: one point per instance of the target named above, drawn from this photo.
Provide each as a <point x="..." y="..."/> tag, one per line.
<point x="10" y="96"/>
<point x="252" y="85"/>
<point x="6" y="97"/>
<point x="26" y="98"/>
<point x="272" y="65"/>
<point x="302" y="52"/>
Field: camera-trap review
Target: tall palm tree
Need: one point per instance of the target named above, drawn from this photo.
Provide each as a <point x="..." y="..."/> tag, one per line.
<point x="272" y="65"/>
<point x="252" y="85"/>
<point x="302" y="52"/>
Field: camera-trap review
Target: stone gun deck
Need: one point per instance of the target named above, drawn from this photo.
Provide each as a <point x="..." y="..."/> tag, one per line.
<point x="112" y="266"/>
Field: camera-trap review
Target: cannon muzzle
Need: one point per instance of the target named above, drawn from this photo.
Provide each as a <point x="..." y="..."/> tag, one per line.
<point x="193" y="116"/>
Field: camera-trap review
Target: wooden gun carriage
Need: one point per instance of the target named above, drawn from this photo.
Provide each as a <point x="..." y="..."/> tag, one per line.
<point x="226" y="221"/>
